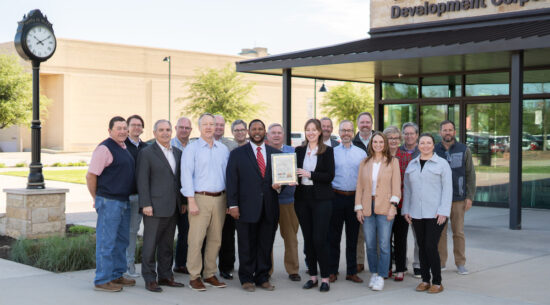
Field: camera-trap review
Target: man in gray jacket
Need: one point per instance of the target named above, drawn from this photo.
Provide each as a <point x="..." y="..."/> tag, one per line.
<point x="158" y="181"/>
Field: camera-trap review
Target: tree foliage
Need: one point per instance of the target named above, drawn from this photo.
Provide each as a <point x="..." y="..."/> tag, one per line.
<point x="16" y="93"/>
<point x="223" y="92"/>
<point x="346" y="101"/>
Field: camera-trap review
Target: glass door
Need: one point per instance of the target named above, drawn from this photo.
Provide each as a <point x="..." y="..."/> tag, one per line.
<point x="432" y="115"/>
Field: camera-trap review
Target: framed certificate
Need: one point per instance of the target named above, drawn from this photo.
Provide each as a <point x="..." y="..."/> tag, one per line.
<point x="283" y="168"/>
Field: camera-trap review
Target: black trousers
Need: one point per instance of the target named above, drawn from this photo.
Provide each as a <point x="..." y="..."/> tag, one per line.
<point x="343" y="213"/>
<point x="181" y="244"/>
<point x="428" y="233"/>
<point x="158" y="241"/>
<point x="314" y="217"/>
<point x="399" y="236"/>
<point x="226" y="258"/>
<point x="255" y="242"/>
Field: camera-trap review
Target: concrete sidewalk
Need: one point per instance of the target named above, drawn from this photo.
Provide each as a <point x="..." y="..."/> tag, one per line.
<point x="506" y="267"/>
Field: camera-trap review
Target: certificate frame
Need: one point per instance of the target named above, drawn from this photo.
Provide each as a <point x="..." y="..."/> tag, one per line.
<point x="283" y="168"/>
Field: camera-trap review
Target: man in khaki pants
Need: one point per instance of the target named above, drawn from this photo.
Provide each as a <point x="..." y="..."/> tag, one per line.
<point x="459" y="157"/>
<point x="203" y="165"/>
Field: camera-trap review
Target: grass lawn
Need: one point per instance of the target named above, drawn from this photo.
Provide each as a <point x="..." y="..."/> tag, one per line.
<point x="505" y="169"/>
<point x="70" y="175"/>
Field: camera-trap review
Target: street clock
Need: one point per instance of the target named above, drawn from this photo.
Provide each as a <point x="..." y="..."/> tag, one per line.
<point x="35" y="40"/>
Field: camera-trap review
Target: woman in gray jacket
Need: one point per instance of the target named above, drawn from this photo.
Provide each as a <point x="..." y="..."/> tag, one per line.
<point x="427" y="198"/>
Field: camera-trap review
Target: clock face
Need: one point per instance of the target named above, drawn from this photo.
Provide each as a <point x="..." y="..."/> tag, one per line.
<point x="40" y="41"/>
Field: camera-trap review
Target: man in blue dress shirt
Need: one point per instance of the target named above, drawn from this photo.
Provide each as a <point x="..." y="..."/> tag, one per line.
<point x="203" y="165"/>
<point x="347" y="158"/>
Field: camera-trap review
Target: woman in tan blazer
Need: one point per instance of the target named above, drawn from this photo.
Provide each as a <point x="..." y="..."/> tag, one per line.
<point x="377" y="195"/>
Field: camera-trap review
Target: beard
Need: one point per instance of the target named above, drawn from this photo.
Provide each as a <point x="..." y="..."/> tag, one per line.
<point x="253" y="140"/>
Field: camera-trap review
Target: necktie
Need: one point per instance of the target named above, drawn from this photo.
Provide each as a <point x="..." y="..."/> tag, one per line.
<point x="261" y="162"/>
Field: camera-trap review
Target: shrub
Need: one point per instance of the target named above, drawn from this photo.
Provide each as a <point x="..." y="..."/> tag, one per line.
<point x="78" y="229"/>
<point x="21" y="164"/>
<point x="57" y="254"/>
<point x="2" y="165"/>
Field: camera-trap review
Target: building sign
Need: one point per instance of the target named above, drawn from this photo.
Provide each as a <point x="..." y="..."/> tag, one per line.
<point x="399" y="12"/>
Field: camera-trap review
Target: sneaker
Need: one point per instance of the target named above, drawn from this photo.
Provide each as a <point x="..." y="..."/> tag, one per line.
<point x="372" y="279"/>
<point x="462" y="270"/>
<point x="417" y="273"/>
<point x="213" y="281"/>
<point x="197" y="284"/>
<point x="443" y="268"/>
<point x="131" y="272"/>
<point x="108" y="287"/>
<point x="378" y="284"/>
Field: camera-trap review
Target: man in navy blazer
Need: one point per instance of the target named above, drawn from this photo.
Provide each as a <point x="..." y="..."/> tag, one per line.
<point x="253" y="201"/>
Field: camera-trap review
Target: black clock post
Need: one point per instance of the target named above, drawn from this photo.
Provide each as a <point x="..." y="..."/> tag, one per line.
<point x="35" y="41"/>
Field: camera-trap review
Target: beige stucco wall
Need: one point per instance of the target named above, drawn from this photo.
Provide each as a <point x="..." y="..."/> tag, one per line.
<point x="90" y="82"/>
<point x="381" y="10"/>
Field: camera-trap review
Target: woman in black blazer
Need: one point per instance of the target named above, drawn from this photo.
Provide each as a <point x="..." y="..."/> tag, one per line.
<point x="313" y="201"/>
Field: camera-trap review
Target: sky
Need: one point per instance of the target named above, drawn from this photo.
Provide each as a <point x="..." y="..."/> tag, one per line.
<point x="213" y="26"/>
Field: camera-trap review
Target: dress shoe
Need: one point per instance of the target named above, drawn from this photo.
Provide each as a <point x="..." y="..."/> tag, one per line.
<point x="294" y="277"/>
<point x="249" y="287"/>
<point x="324" y="287"/>
<point x="267" y="286"/>
<point x="423" y="286"/>
<point x="226" y="275"/>
<point x="213" y="281"/>
<point x="153" y="287"/>
<point x="332" y="278"/>
<point x="354" y="278"/>
<point x="108" y="287"/>
<point x="310" y="284"/>
<point x="360" y="267"/>
<point x="197" y="284"/>
<point x="170" y="282"/>
<point x="399" y="276"/>
<point x="181" y="270"/>
<point x="124" y="281"/>
<point x="435" y="289"/>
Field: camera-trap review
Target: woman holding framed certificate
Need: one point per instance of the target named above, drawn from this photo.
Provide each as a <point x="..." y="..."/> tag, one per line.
<point x="313" y="204"/>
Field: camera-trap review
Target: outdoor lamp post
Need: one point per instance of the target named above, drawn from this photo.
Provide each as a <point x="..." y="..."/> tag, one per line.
<point x="169" y="60"/>
<point x="322" y="89"/>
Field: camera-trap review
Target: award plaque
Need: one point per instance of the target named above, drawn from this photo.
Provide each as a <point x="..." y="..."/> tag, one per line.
<point x="283" y="168"/>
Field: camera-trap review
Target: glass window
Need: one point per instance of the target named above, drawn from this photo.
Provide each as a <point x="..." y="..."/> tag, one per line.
<point x="442" y="86"/>
<point x="397" y="115"/>
<point x="400" y="89"/>
<point x="432" y="115"/>
<point x="536" y="154"/>
<point x="488" y="137"/>
<point x="487" y="84"/>
<point x="536" y="81"/>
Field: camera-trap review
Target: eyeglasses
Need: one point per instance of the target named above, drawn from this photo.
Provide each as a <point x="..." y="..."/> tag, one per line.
<point x="409" y="134"/>
<point x="346" y="130"/>
<point x="239" y="130"/>
<point x="394" y="139"/>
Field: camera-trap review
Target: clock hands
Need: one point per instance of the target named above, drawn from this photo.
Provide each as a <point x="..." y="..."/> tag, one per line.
<point x="38" y="40"/>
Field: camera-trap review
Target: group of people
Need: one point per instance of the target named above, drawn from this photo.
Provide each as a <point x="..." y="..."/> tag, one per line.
<point x="212" y="187"/>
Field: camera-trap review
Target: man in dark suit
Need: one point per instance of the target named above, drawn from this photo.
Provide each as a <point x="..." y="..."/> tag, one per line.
<point x="158" y="181"/>
<point x="326" y="125"/>
<point x="253" y="202"/>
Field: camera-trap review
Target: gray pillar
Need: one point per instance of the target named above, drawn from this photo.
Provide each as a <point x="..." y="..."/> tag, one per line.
<point x="378" y="107"/>
<point x="287" y="102"/>
<point x="516" y="131"/>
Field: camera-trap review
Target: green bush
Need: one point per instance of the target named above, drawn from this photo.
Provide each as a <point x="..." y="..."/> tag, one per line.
<point x="21" y="164"/>
<point x="78" y="229"/>
<point x="57" y="254"/>
<point x="2" y="165"/>
<point x="79" y="163"/>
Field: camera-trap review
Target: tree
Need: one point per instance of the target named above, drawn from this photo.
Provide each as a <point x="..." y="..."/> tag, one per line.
<point x="346" y="101"/>
<point x="16" y="93"/>
<point x="220" y="91"/>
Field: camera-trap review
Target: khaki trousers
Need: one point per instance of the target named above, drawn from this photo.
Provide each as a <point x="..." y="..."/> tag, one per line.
<point x="208" y="224"/>
<point x="361" y="246"/>
<point x="288" y="227"/>
<point x="458" y="209"/>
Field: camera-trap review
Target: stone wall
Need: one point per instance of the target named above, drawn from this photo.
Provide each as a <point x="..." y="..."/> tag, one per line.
<point x="35" y="213"/>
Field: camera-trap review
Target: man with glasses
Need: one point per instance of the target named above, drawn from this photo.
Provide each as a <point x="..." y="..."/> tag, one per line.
<point x="181" y="140"/>
<point x="134" y="145"/>
<point x="347" y="158"/>
<point x="410" y="145"/>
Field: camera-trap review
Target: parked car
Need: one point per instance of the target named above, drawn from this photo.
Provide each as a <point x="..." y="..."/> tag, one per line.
<point x="297" y="138"/>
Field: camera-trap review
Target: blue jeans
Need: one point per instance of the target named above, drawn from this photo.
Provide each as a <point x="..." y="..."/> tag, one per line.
<point x="112" y="231"/>
<point x="135" y="221"/>
<point x="378" y="228"/>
